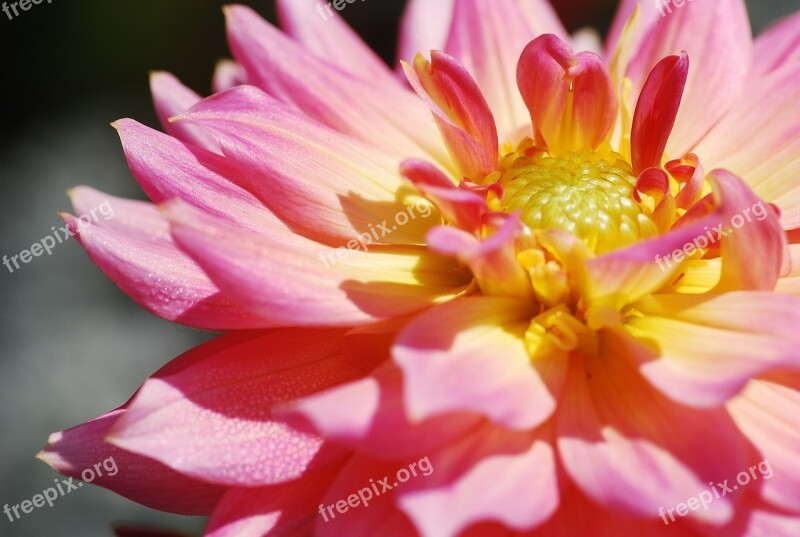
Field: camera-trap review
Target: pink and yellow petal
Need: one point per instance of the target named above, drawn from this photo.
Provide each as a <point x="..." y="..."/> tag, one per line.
<point x="491" y="475"/>
<point x="619" y="444"/>
<point x="701" y="350"/>
<point x="759" y="140"/>
<point x="167" y="168"/>
<point x="570" y="97"/>
<point x="462" y="114"/>
<point x="487" y="38"/>
<point x="328" y="186"/>
<point x="717" y="37"/>
<point x="469" y="336"/>
<point x="330" y="95"/>
<point x="308" y="284"/>
<point x="159" y="277"/>
<point x="328" y="37"/>
<point x="768" y="413"/>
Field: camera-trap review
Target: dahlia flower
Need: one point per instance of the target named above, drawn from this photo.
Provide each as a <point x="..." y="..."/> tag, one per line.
<point x="584" y="323"/>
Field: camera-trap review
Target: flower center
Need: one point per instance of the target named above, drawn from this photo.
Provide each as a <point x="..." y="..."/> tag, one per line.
<point x="585" y="193"/>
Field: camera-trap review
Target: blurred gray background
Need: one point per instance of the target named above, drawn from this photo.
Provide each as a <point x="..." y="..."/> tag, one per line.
<point x="73" y="346"/>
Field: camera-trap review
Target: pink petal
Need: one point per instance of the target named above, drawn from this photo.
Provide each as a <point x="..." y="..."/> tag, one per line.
<point x="425" y="26"/>
<point x="138" y="220"/>
<point x="228" y="74"/>
<point x="718" y="39"/>
<point x="158" y="276"/>
<point x="493" y="260"/>
<point x="618" y="441"/>
<point x="460" y="111"/>
<point x="328" y="37"/>
<point x="333" y="97"/>
<point x="577" y="515"/>
<point x="284" y="510"/>
<point x="757" y="519"/>
<point x="542" y="18"/>
<point x="754" y="253"/>
<point x="305" y="283"/>
<point x="487" y="39"/>
<point x="208" y="414"/>
<point x="492" y="475"/>
<point x="329" y="186"/>
<point x="369" y="415"/>
<point x="380" y="517"/>
<point x="622" y="276"/>
<point x="768" y="413"/>
<point x="648" y="15"/>
<point x="777" y="47"/>
<point x="166" y="168"/>
<point x="171" y="98"/>
<point x="459" y="206"/>
<point x="656" y="111"/>
<point x="467" y="336"/>
<point x="138" y="478"/>
<point x="570" y="97"/>
<point x="701" y="350"/>
<point x="759" y="140"/>
<point x="790" y="283"/>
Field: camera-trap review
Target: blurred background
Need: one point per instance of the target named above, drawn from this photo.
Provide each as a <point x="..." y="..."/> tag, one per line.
<point x="73" y="346"/>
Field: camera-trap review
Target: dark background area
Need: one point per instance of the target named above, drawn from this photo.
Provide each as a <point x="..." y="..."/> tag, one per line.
<point x="72" y="346"/>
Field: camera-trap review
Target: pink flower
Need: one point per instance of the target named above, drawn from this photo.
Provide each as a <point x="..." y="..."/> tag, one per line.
<point x="579" y="329"/>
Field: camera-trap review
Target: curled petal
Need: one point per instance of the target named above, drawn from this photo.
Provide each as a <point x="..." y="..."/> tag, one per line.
<point x="654" y="183"/>
<point x="656" y="111"/>
<point x="493" y="260"/>
<point x="424" y="27"/>
<point x="460" y="111"/>
<point x="487" y="37"/>
<point x="754" y="248"/>
<point x="570" y="97"/>
<point x="462" y="207"/>
<point x="690" y="175"/>
<point x="166" y="168"/>
<point x="718" y="39"/>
